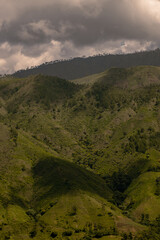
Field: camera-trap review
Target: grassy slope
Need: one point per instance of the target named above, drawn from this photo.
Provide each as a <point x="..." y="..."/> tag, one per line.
<point x="37" y="185"/>
<point x="54" y="193"/>
<point x="46" y="121"/>
<point x="133" y="77"/>
<point x="138" y="113"/>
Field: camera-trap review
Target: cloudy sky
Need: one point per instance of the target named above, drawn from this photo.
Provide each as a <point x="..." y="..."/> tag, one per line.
<point x="36" y="31"/>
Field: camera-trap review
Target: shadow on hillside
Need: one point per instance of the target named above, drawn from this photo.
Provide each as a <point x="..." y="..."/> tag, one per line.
<point x="54" y="177"/>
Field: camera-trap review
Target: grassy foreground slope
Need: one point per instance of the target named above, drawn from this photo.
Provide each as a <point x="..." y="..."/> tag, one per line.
<point x="44" y="197"/>
<point x="80" y="161"/>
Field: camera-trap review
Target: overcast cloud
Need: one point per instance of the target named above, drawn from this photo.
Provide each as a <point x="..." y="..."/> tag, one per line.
<point x="36" y="31"/>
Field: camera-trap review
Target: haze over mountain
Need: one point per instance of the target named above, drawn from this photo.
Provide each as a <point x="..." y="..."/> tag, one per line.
<point x="81" y="161"/>
<point x="80" y="67"/>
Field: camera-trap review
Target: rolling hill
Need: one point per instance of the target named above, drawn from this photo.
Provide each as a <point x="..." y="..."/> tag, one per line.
<point x="80" y="159"/>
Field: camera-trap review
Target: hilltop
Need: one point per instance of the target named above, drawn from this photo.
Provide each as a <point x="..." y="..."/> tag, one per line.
<point x="80" y="159"/>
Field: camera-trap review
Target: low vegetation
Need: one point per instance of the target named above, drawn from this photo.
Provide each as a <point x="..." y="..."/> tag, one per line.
<point x="81" y="161"/>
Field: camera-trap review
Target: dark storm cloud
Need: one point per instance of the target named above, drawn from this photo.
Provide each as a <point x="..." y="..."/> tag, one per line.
<point x="34" y="25"/>
<point x="80" y="22"/>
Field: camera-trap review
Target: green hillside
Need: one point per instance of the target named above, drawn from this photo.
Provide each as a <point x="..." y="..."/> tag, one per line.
<point x="81" y="159"/>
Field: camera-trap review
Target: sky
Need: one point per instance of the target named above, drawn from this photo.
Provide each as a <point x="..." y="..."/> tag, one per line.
<point x="37" y="31"/>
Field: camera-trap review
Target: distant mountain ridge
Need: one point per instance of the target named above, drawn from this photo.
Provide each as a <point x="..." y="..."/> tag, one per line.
<point x="81" y="66"/>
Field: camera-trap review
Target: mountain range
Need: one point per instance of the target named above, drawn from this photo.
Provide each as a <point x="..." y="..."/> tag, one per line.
<point x="85" y="66"/>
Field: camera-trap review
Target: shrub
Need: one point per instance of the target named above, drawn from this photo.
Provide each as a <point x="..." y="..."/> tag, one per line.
<point x="53" y="234"/>
<point x="67" y="233"/>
